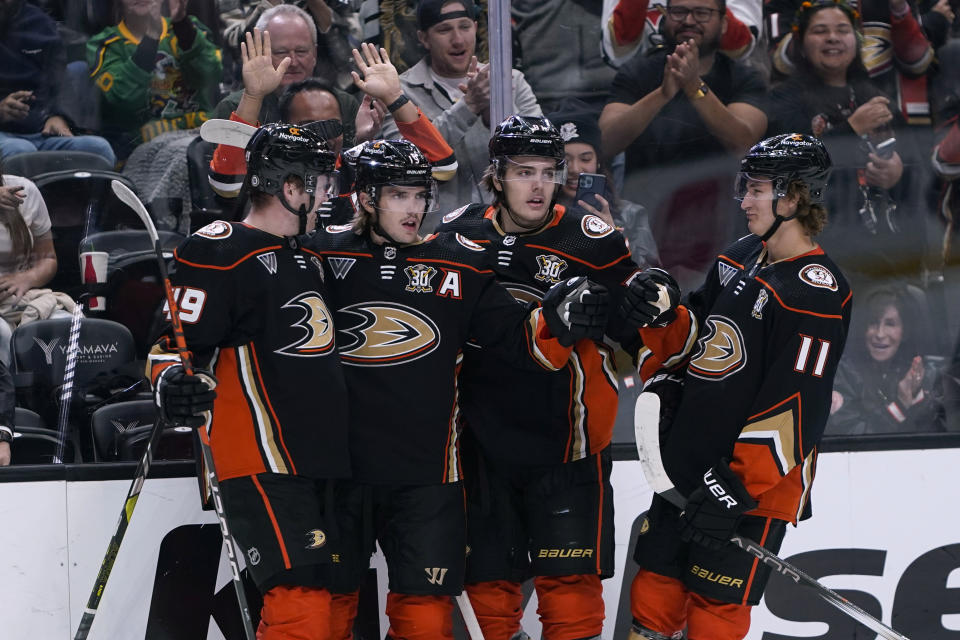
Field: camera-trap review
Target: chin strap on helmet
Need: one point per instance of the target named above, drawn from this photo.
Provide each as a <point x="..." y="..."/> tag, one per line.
<point x="779" y="191"/>
<point x="302" y="212"/>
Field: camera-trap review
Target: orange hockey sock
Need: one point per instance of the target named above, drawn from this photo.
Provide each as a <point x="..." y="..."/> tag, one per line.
<point x="570" y="607"/>
<point x="295" y="613"/>
<point x="420" y="617"/>
<point x="498" y="605"/>
<point x="343" y="613"/>
<point x="658" y="603"/>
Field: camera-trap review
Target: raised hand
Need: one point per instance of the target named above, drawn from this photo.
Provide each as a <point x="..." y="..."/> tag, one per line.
<point x="476" y="91"/>
<point x="378" y="78"/>
<point x="260" y="78"/>
<point x="369" y="119"/>
<point x="908" y="390"/>
<point x="686" y="67"/>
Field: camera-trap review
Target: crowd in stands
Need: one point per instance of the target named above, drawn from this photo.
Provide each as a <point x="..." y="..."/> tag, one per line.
<point x="659" y="98"/>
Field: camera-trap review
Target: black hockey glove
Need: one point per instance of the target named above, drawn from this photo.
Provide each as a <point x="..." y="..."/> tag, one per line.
<point x="576" y="308"/>
<point x="651" y="300"/>
<point x="715" y="507"/>
<point x="182" y="399"/>
<point x="669" y="387"/>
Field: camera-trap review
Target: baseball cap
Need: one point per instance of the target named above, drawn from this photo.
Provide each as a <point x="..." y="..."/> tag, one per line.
<point x="431" y="12"/>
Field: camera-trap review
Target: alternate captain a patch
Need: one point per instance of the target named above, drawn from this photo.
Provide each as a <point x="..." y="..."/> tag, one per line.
<point x="818" y="276"/>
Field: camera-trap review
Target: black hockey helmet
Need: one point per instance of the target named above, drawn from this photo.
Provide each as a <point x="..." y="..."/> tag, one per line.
<point x="784" y="159"/>
<point x="380" y="163"/>
<point x="277" y="151"/>
<point x="526" y="136"/>
<point x="389" y="162"/>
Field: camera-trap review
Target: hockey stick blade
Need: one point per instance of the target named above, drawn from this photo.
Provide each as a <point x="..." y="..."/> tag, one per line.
<point x="646" y="423"/>
<point x="132" y="200"/>
<point x="227" y="132"/>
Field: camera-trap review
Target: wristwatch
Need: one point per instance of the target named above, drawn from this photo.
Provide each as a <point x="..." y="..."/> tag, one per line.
<point x="6" y="434"/>
<point x="702" y="91"/>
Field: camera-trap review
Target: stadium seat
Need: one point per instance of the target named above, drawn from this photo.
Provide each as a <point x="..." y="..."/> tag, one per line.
<point x="80" y="203"/>
<point x="34" y="443"/>
<point x="134" y="289"/>
<point x="121" y="431"/>
<point x="36" y="163"/>
<point x="106" y="363"/>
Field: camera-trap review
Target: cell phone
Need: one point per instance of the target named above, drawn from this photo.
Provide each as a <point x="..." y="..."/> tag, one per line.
<point x="588" y="186"/>
<point x="883" y="149"/>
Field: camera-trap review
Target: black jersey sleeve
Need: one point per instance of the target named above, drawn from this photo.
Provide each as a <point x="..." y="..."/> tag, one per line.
<point x="516" y="332"/>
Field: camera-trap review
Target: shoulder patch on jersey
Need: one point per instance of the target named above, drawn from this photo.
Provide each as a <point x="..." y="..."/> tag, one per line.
<point x="818" y="276"/>
<point x="216" y="230"/>
<point x="456" y="213"/>
<point x="338" y="228"/>
<point x="594" y="227"/>
<point x="469" y="244"/>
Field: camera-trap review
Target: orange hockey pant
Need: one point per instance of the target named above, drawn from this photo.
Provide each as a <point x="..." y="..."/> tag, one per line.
<point x="295" y="613"/>
<point x="411" y="617"/>
<point x="664" y="605"/>
<point x="570" y="607"/>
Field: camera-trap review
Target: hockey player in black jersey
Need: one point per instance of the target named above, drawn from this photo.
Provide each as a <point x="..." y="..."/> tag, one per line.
<point x="405" y="308"/>
<point x="543" y="504"/>
<point x="254" y="313"/>
<point x="757" y="345"/>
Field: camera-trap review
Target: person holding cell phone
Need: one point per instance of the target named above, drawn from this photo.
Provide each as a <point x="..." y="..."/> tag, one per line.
<point x="831" y="97"/>
<point x="589" y="187"/>
<point x="33" y="113"/>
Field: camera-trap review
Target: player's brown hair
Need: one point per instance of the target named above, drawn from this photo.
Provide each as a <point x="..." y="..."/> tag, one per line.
<point x="486" y="181"/>
<point x="812" y="216"/>
<point x="363" y="220"/>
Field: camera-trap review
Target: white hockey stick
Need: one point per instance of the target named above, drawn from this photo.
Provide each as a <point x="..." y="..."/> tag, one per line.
<point x="469" y="617"/>
<point x="228" y="132"/>
<point x="646" y="424"/>
<point x="66" y="388"/>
